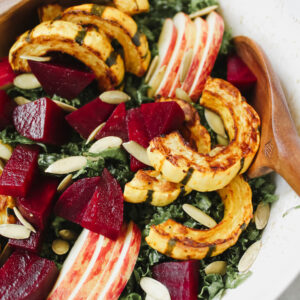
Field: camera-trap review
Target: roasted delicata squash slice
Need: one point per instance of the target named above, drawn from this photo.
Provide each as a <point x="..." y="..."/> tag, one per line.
<point x="91" y="47"/>
<point x="132" y="7"/>
<point x="179" y="163"/>
<point x="7" y="204"/>
<point x="180" y="242"/>
<point x="49" y="12"/>
<point x="118" y="26"/>
<point x="193" y="132"/>
<point x="149" y="186"/>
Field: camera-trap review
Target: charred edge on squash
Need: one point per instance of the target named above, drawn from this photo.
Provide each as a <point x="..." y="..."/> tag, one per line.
<point x="210" y="251"/>
<point x="10" y="211"/>
<point x="188" y="176"/>
<point x="97" y="10"/>
<point x="242" y="164"/>
<point x="149" y="196"/>
<point x="80" y="36"/>
<point x="171" y="245"/>
<point x="243" y="226"/>
<point x="117" y="47"/>
<point x="112" y="59"/>
<point x="182" y="191"/>
<point x="136" y="39"/>
<point x="28" y="37"/>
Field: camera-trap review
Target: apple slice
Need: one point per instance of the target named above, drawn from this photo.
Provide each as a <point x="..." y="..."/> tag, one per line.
<point x="166" y="45"/>
<point x="201" y="37"/>
<point x="97" y="267"/>
<point x="182" y="22"/>
<point x="214" y="40"/>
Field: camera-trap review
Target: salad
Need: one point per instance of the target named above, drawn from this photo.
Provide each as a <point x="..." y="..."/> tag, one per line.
<point x="141" y="192"/>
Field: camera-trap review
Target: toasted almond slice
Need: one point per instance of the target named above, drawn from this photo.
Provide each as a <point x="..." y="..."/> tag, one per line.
<point x="5" y="151"/>
<point x="181" y="94"/>
<point x="215" y="122"/>
<point x="199" y="215"/>
<point x="67" y="165"/>
<point x="94" y="133"/>
<point x="67" y="235"/>
<point x="156" y="82"/>
<point x="64" y="183"/>
<point x="36" y="58"/>
<point x="1" y="166"/>
<point x="26" y="81"/>
<point x="152" y="68"/>
<point x="23" y="220"/>
<point x="154" y="288"/>
<point x="148" y="297"/>
<point x="216" y="267"/>
<point x="249" y="257"/>
<point x="21" y="100"/>
<point x="60" y="247"/>
<point x="106" y="143"/>
<point x="261" y="215"/>
<point x="185" y="65"/>
<point x="14" y="231"/>
<point x="114" y="97"/>
<point x="203" y="11"/>
<point x="137" y="151"/>
<point x="66" y="107"/>
<point x="222" y="141"/>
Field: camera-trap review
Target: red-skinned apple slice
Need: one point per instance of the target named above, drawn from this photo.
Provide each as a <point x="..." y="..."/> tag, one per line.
<point x="97" y="267"/>
<point x="166" y="45"/>
<point x="214" y="40"/>
<point x="182" y="23"/>
<point x="201" y="37"/>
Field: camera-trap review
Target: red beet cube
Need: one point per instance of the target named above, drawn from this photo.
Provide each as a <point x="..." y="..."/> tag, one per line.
<point x="6" y="110"/>
<point x="88" y="117"/>
<point x="42" y="121"/>
<point x="18" y="173"/>
<point x="137" y="132"/>
<point x="7" y="75"/>
<point x="116" y="124"/>
<point x="239" y="74"/>
<point x="162" y="117"/>
<point x="36" y="206"/>
<point x="181" y="278"/>
<point x="27" y="276"/>
<point x="104" y="213"/>
<point x="72" y="203"/>
<point x="61" y="80"/>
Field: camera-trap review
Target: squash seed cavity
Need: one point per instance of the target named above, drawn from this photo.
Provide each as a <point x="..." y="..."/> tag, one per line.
<point x="249" y="257"/>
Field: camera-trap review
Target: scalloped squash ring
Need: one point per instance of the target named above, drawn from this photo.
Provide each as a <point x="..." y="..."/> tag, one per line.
<point x="179" y="163"/>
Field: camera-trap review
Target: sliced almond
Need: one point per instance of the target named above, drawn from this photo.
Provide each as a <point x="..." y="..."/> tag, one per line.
<point x="185" y="65"/>
<point x="156" y="82"/>
<point x="106" y="143"/>
<point x="148" y="297"/>
<point x="114" y="97"/>
<point x="94" y="133"/>
<point x="216" y="267"/>
<point x="137" y="151"/>
<point x="67" y="235"/>
<point x="26" y="81"/>
<point x="261" y="215"/>
<point x="67" y="165"/>
<point x="1" y="166"/>
<point x="222" y="141"/>
<point x="154" y="288"/>
<point x="152" y="68"/>
<point x="21" y="100"/>
<point x="215" y="122"/>
<point x="181" y="94"/>
<point x="64" y="183"/>
<point x="14" y="231"/>
<point x="36" y="58"/>
<point x="249" y="257"/>
<point x="5" y="151"/>
<point x="23" y="220"/>
<point x="203" y="11"/>
<point x="199" y="215"/>
<point x="60" y="247"/>
<point x="66" y="107"/>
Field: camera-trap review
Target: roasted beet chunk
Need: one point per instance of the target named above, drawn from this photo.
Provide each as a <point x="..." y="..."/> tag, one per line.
<point x="181" y="278"/>
<point x="88" y="117"/>
<point x="72" y="203"/>
<point x="42" y="121"/>
<point x="104" y="213"/>
<point x="19" y="171"/>
<point x="27" y="276"/>
<point x="61" y="80"/>
<point x="7" y="75"/>
<point x="37" y="205"/>
<point x="239" y="74"/>
<point x="116" y="124"/>
<point x="137" y="132"/>
<point x="6" y="110"/>
<point x="162" y="117"/>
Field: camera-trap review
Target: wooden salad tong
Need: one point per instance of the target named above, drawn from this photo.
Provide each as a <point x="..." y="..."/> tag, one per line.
<point x="280" y="144"/>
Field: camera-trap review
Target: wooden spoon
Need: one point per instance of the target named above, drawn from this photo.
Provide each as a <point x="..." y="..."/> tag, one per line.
<point x="280" y="145"/>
